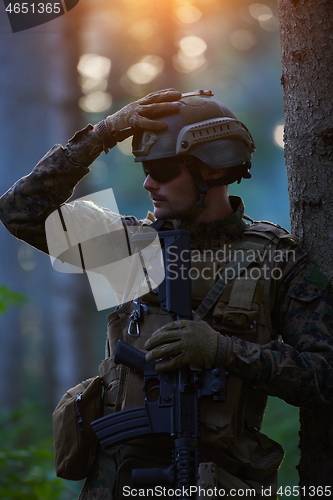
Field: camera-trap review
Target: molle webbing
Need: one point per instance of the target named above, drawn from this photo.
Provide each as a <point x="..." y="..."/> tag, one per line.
<point x="214" y="294"/>
<point x="257" y="238"/>
<point x="244" y="292"/>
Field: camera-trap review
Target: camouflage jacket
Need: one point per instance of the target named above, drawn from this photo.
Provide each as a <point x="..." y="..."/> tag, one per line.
<point x="297" y="368"/>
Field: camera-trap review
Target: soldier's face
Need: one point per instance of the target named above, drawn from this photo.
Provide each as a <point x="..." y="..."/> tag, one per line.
<point x="176" y="198"/>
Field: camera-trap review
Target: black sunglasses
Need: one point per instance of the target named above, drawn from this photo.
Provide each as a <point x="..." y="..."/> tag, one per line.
<point x="163" y="170"/>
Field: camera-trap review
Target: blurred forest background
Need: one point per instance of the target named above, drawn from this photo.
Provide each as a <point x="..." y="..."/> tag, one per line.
<point x="54" y="79"/>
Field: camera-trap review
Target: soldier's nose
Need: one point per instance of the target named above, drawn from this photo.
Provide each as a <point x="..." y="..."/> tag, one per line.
<point x="150" y="184"/>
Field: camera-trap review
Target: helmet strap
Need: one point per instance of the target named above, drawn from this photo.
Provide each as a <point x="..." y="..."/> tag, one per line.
<point x="201" y="184"/>
<point x="236" y="174"/>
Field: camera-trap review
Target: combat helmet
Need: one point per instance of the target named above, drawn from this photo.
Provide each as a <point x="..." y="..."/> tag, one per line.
<point x="203" y="129"/>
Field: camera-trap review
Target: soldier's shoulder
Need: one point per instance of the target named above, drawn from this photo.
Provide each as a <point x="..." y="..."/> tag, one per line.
<point x="270" y="231"/>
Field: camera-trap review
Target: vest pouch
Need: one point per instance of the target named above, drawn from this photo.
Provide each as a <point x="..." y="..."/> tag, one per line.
<point x="116" y="327"/>
<point x="235" y="320"/>
<point x="257" y="454"/>
<point x="231" y="485"/>
<point x="253" y="456"/>
<point x="221" y="420"/>
<point x="124" y="385"/>
<point x="237" y="312"/>
<point x="114" y="375"/>
<point x="120" y="325"/>
<point x="75" y="443"/>
<point x="110" y="374"/>
<point x="118" y="462"/>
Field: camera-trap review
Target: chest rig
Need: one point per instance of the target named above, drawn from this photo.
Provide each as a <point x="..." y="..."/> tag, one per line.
<point x="234" y="292"/>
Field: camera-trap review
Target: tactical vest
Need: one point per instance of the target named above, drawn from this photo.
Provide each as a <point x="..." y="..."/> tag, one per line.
<point x="239" y="307"/>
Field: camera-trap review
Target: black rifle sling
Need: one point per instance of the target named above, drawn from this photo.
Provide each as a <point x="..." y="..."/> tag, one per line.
<point x="158" y="224"/>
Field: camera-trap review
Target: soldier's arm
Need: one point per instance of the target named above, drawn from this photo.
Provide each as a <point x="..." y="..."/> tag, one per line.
<point x="299" y="368"/>
<point x="27" y="204"/>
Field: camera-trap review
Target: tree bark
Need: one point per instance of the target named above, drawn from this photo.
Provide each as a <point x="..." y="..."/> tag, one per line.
<point x="307" y="77"/>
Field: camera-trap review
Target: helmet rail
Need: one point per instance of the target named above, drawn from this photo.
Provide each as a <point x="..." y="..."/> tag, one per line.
<point x="211" y="130"/>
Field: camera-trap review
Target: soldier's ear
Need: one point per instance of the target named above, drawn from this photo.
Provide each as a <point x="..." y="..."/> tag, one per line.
<point x="209" y="173"/>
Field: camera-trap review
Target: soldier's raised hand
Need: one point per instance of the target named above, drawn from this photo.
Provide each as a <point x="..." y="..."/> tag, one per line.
<point x="138" y="114"/>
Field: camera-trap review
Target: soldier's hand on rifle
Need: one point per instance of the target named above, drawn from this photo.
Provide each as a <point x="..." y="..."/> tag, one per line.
<point x="138" y="114"/>
<point x="186" y="342"/>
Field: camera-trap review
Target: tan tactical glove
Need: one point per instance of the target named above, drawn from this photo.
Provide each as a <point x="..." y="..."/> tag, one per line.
<point x="186" y="342"/>
<point x="139" y="114"/>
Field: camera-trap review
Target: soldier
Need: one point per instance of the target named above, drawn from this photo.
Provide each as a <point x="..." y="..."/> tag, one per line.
<point x="191" y="149"/>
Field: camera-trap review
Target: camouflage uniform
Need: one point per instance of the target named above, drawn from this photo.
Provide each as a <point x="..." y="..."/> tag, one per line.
<point x="297" y="369"/>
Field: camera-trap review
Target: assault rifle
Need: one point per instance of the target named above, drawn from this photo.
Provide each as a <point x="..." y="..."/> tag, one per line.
<point x="172" y="399"/>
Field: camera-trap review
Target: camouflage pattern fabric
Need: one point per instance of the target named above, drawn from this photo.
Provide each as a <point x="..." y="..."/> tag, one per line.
<point x="96" y="486"/>
<point x="297" y="369"/>
<point x="27" y="204"/>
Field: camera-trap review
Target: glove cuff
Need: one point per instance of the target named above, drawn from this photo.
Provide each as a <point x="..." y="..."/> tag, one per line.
<point x="84" y="147"/>
<point x="101" y="130"/>
<point x="224" y="350"/>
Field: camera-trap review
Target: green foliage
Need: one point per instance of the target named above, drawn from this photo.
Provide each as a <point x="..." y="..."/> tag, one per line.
<point x="281" y="423"/>
<point x="26" y="457"/>
<point x="26" y="453"/>
<point x="10" y="298"/>
<point x="25" y="473"/>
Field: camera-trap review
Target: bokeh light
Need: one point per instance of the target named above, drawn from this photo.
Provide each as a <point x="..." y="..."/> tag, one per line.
<point x="26" y="257"/>
<point x="271" y="24"/>
<point x="94" y="66"/>
<point x="278" y="135"/>
<point x="260" y="11"/>
<point x="186" y="64"/>
<point x="90" y="85"/>
<point x="192" y="46"/>
<point x="96" y="102"/>
<point x="243" y="39"/>
<point x="143" y="29"/>
<point x="188" y="14"/>
<point x="185" y="2"/>
<point x="146" y="70"/>
<point x="190" y="55"/>
<point x="94" y="70"/>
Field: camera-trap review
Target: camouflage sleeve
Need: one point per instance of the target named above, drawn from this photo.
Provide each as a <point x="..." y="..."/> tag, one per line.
<point x="27" y="204"/>
<point x="298" y="369"/>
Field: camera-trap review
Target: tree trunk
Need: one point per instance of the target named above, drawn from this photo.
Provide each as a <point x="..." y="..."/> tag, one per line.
<point x="307" y="79"/>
